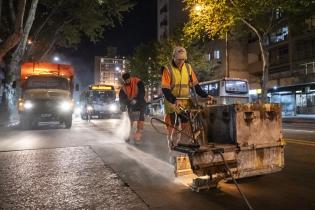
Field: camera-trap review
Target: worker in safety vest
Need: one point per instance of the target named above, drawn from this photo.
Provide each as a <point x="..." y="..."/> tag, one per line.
<point x="177" y="79"/>
<point x="131" y="98"/>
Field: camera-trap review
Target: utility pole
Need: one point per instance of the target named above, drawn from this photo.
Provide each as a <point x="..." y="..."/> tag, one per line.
<point x="227" y="70"/>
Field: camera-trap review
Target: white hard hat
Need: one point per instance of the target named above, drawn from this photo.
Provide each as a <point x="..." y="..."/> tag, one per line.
<point x="179" y="53"/>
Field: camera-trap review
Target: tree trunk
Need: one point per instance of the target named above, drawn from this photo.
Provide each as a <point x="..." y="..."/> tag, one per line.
<point x="12" y="11"/>
<point x="265" y="60"/>
<point x="20" y="50"/>
<point x="265" y="68"/>
<point x="15" y="37"/>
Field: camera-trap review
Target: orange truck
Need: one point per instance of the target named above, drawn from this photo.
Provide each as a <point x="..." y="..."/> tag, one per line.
<point x="47" y="90"/>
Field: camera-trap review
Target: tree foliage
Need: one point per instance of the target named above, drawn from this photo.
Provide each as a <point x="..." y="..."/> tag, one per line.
<point x="155" y="55"/>
<point x="63" y="23"/>
<point x="143" y="63"/>
<point x="213" y="18"/>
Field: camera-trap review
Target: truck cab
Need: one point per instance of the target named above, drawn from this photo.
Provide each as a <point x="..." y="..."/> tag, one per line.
<point x="47" y="90"/>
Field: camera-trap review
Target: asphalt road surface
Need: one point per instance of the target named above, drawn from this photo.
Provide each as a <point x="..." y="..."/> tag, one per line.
<point x="145" y="169"/>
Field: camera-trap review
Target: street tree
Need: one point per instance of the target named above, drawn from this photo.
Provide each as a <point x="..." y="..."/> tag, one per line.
<point x="143" y="63"/>
<point x="148" y="59"/>
<point x="10" y="36"/>
<point x="195" y="53"/>
<point x="63" y="23"/>
<point x="20" y="50"/>
<point x="215" y="18"/>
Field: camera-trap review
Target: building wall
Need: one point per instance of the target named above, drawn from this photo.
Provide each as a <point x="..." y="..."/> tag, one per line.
<point x="237" y="59"/>
<point x="109" y="70"/>
<point x="170" y="16"/>
<point x="292" y="55"/>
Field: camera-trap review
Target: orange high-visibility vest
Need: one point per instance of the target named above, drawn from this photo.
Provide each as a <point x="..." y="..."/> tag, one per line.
<point x="131" y="90"/>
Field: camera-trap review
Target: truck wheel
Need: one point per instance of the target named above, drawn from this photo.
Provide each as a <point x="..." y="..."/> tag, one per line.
<point x="68" y="122"/>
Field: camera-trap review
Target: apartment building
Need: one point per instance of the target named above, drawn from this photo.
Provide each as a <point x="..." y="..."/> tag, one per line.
<point x="108" y="70"/>
<point x="291" y="56"/>
<point x="170" y="17"/>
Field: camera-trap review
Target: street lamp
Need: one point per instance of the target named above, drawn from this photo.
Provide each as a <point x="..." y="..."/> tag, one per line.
<point x="198" y="8"/>
<point x="56" y="58"/>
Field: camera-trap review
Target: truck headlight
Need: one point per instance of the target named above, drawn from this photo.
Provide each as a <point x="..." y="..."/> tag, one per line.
<point x="66" y="106"/>
<point x="28" y="105"/>
<point x="89" y="108"/>
<point x="113" y="107"/>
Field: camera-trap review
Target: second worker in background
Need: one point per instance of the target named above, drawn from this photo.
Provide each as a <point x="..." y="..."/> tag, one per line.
<point x="131" y="98"/>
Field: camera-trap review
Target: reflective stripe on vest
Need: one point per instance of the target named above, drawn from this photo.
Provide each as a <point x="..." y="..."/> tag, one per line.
<point x="180" y="80"/>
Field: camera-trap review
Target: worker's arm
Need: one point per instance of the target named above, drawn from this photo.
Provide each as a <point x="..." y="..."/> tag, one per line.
<point x="198" y="88"/>
<point x="168" y="95"/>
<point x="200" y="91"/>
<point x="166" y="86"/>
<point x="141" y="91"/>
<point x="123" y="99"/>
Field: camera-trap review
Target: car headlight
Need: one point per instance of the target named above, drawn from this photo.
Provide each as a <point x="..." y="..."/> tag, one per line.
<point x="113" y="107"/>
<point x="66" y="106"/>
<point x="89" y="108"/>
<point x="28" y="105"/>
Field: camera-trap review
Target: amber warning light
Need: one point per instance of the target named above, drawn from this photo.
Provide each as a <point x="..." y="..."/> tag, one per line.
<point x="42" y="68"/>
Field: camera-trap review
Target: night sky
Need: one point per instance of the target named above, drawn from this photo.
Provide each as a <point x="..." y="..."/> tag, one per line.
<point x="139" y="26"/>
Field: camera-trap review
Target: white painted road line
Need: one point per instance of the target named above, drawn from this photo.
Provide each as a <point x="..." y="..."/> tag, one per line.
<point x="309" y="131"/>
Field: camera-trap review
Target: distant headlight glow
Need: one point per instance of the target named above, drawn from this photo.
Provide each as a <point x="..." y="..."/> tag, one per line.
<point x="28" y="105"/>
<point x="89" y="108"/>
<point x="113" y="107"/>
<point x="77" y="110"/>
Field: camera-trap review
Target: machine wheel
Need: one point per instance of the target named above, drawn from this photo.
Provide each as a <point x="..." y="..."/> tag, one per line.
<point x="68" y="122"/>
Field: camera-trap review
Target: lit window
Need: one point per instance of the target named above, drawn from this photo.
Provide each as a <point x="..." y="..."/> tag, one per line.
<point x="209" y="57"/>
<point x="310" y="22"/>
<point x="280" y="35"/>
<point x="216" y="54"/>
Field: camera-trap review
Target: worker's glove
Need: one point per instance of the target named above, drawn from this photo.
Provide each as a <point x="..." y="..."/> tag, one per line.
<point x="133" y="102"/>
<point x="211" y="100"/>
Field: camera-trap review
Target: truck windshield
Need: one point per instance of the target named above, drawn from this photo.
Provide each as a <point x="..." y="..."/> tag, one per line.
<point x="47" y="82"/>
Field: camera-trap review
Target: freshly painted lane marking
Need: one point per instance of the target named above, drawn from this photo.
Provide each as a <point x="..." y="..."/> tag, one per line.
<point x="287" y="129"/>
<point x="296" y="141"/>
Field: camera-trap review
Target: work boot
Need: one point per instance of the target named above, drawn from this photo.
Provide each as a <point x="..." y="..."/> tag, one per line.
<point x="138" y="134"/>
